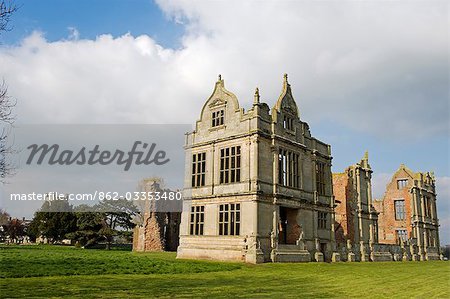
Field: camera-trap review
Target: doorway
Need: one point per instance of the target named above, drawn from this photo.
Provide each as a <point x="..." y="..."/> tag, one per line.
<point x="289" y="231"/>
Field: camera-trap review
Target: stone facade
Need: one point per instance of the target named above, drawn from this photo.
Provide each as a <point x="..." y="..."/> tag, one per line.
<point x="356" y="218"/>
<point x="158" y="229"/>
<point x="408" y="215"/>
<point x="258" y="186"/>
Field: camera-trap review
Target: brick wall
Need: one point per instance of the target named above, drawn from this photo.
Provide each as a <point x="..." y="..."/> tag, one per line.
<point x="344" y="226"/>
<point x="387" y="224"/>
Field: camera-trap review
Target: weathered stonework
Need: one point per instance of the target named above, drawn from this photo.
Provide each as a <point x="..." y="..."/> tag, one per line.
<point x="265" y="167"/>
<point x="259" y="188"/>
<point x="416" y="224"/>
<point x="356" y="218"/>
<point x="385" y="230"/>
<point x="159" y="229"/>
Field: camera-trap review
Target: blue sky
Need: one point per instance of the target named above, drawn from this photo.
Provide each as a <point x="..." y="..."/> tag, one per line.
<point x="91" y="18"/>
<point x="361" y="82"/>
<point x="56" y="18"/>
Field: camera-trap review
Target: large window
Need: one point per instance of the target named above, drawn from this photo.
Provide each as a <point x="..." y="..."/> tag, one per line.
<point x="401" y="184"/>
<point x="288" y="169"/>
<point x="230" y="165"/>
<point x="229" y="219"/>
<point x="402" y="235"/>
<point x="198" y="169"/>
<point x="320" y="178"/>
<point x="217" y="118"/>
<point x="197" y="220"/>
<point x="322" y="220"/>
<point x="399" y="206"/>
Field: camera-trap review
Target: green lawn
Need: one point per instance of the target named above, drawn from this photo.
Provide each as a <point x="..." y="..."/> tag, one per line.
<point x="52" y="271"/>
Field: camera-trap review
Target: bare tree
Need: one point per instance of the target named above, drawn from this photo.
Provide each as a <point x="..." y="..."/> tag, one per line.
<point x="6" y="120"/>
<point x="7" y="8"/>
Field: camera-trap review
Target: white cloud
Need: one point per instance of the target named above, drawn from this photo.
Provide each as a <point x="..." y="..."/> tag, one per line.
<point x="443" y="207"/>
<point x="375" y="67"/>
<point x="364" y="72"/>
<point x="379" y="183"/>
<point x="73" y="33"/>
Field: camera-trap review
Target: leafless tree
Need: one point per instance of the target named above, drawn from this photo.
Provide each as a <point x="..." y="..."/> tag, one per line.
<point x="7" y="8"/>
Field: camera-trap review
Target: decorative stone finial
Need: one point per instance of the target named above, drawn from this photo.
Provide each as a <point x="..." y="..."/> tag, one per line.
<point x="285" y="77"/>
<point x="256" y="97"/>
<point x="220" y="77"/>
<point x="366" y="156"/>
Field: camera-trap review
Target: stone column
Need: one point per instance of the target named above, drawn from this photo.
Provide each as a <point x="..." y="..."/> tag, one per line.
<point x="425" y="244"/>
<point x="369" y="191"/>
<point x="438" y="244"/>
<point x="358" y="222"/>
<point x="422" y="205"/>
<point x="275" y="168"/>
<point x="416" y="205"/>
<point x="333" y="217"/>
<point x="274" y="234"/>
<point x="313" y="175"/>
<point x="433" y="209"/>
<point x="314" y="219"/>
<point x="421" y="233"/>
<point x="213" y="171"/>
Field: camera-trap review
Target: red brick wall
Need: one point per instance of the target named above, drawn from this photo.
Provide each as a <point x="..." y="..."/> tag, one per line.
<point x="344" y="218"/>
<point x="387" y="224"/>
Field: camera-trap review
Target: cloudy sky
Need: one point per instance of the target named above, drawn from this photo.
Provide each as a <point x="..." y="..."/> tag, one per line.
<point x="366" y="75"/>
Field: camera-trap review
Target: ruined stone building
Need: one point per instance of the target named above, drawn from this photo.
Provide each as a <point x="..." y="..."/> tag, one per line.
<point x="407" y="213"/>
<point x="258" y="186"/>
<point x="356" y="218"/>
<point x="158" y="228"/>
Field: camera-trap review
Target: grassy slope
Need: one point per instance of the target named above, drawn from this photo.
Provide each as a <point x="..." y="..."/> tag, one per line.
<point x="400" y="280"/>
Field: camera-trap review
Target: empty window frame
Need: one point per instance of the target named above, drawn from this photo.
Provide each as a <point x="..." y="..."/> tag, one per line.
<point x="288" y="169"/>
<point x="399" y="206"/>
<point x="402" y="235"/>
<point x="401" y="184"/>
<point x="288" y="123"/>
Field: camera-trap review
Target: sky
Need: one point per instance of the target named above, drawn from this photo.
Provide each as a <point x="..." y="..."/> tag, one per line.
<point x="366" y="75"/>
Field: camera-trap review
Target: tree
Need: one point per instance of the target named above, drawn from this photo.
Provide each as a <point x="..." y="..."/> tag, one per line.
<point x="4" y="219"/>
<point x="53" y="221"/>
<point x="15" y="229"/>
<point x="6" y="102"/>
<point x="7" y="8"/>
<point x="117" y="217"/>
<point x="89" y="225"/>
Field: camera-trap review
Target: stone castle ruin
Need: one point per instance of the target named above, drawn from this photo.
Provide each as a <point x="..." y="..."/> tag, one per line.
<point x="259" y="188"/>
<point x="158" y="227"/>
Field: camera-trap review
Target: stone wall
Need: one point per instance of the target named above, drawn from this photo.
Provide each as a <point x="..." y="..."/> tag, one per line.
<point x="160" y="226"/>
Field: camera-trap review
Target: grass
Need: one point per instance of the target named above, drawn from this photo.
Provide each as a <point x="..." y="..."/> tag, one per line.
<point x="51" y="271"/>
<point x="46" y="260"/>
